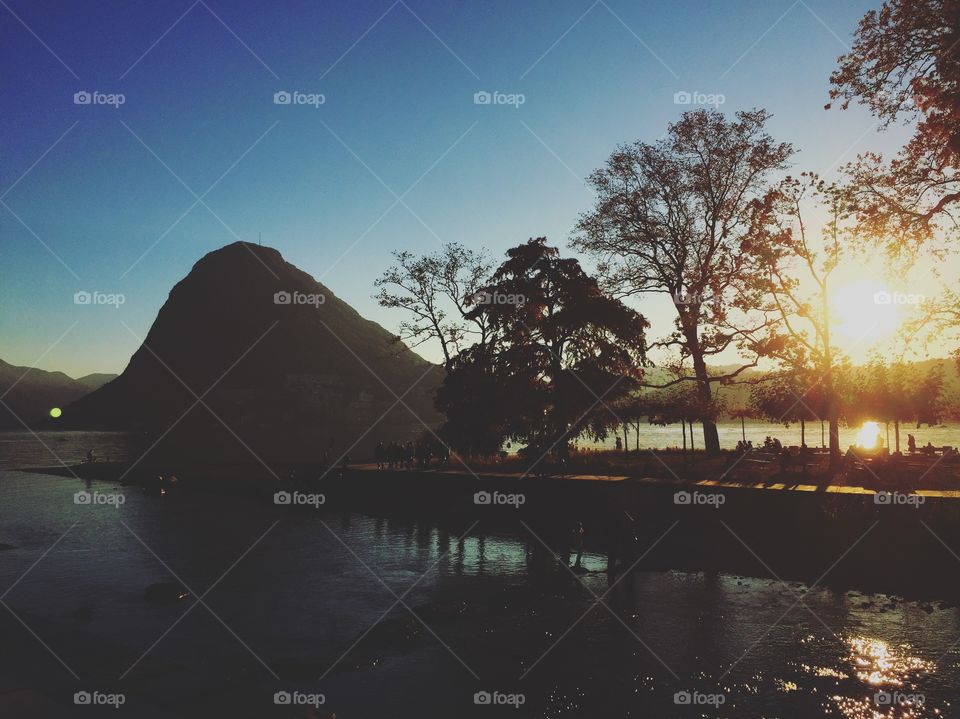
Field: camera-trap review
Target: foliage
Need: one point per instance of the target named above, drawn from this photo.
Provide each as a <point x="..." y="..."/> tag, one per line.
<point x="558" y="354"/>
<point x="672" y="217"/>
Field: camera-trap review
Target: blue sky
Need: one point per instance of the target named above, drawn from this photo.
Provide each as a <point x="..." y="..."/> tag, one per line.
<point x="92" y="193"/>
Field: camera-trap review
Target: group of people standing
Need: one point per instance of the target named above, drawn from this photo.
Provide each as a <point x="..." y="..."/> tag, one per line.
<point x="405" y="455"/>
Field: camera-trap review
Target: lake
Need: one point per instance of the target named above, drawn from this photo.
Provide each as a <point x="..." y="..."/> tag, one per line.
<point x="488" y="622"/>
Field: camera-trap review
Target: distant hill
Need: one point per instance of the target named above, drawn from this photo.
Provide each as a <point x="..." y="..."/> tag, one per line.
<point x="738" y="395"/>
<point x="272" y="352"/>
<point x="31" y="393"/>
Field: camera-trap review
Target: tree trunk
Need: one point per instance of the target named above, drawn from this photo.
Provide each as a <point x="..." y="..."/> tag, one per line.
<point x="803" y="432"/>
<point x="743" y="430"/>
<point x="683" y="423"/>
<point x="834" y="441"/>
<point x="711" y="438"/>
<point x="896" y="433"/>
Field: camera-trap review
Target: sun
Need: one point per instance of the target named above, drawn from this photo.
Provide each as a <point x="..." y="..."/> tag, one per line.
<point x="869" y="435"/>
<point x="863" y="313"/>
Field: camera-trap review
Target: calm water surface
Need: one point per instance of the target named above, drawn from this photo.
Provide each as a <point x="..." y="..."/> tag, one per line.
<point x="296" y="593"/>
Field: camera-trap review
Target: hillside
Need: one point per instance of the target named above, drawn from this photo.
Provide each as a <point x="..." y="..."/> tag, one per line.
<point x="272" y="353"/>
<point x="31" y="393"/>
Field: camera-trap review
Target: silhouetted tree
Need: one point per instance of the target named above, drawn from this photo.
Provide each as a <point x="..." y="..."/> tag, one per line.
<point x="436" y="290"/>
<point x="905" y="64"/>
<point x="559" y="353"/>
<point x="794" y="258"/>
<point x="672" y="216"/>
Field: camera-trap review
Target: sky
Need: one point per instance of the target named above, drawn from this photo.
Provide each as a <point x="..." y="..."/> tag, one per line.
<point x="123" y="195"/>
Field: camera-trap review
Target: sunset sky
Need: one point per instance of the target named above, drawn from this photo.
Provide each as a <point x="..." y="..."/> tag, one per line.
<point x="104" y="198"/>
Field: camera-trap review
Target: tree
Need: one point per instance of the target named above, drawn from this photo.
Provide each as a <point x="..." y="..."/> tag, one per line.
<point x="787" y="397"/>
<point x="671" y="217"/>
<point x="558" y="354"/>
<point x="794" y="259"/>
<point x="437" y="290"/>
<point x="905" y="64"/>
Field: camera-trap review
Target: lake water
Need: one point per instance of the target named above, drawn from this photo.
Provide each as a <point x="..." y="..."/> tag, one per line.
<point x="291" y="595"/>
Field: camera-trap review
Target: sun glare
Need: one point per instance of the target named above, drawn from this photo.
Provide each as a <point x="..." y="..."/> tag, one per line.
<point x="863" y="312"/>
<point x="869" y="435"/>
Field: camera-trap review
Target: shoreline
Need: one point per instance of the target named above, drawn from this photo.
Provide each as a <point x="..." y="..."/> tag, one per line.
<point x="836" y="536"/>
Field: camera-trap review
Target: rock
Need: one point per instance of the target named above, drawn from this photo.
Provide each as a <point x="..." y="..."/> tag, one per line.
<point x="165" y="593"/>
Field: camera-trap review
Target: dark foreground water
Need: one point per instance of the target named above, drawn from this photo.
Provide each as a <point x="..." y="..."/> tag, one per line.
<point x="407" y="616"/>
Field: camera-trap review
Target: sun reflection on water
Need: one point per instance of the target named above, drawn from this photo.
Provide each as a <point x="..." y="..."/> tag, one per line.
<point x="878" y="664"/>
<point x="888" y="673"/>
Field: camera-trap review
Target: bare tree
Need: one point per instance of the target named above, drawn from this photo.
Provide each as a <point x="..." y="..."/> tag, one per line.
<point x="437" y="290"/>
<point x="671" y="217"/>
<point x="798" y="264"/>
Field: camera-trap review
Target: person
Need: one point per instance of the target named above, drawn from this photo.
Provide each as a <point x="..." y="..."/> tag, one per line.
<point x="784" y="460"/>
<point x="91" y="456"/>
<point x="379" y="454"/>
<point x="804" y="457"/>
<point x="911" y="444"/>
<point x="578" y="532"/>
<point x="777" y="444"/>
<point x="619" y="446"/>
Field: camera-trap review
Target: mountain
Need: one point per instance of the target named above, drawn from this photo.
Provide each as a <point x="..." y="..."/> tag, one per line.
<point x="275" y="358"/>
<point x="31" y="393"/>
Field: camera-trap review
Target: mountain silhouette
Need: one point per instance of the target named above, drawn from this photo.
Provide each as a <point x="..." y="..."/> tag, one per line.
<point x="29" y="393"/>
<point x="274" y="357"/>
